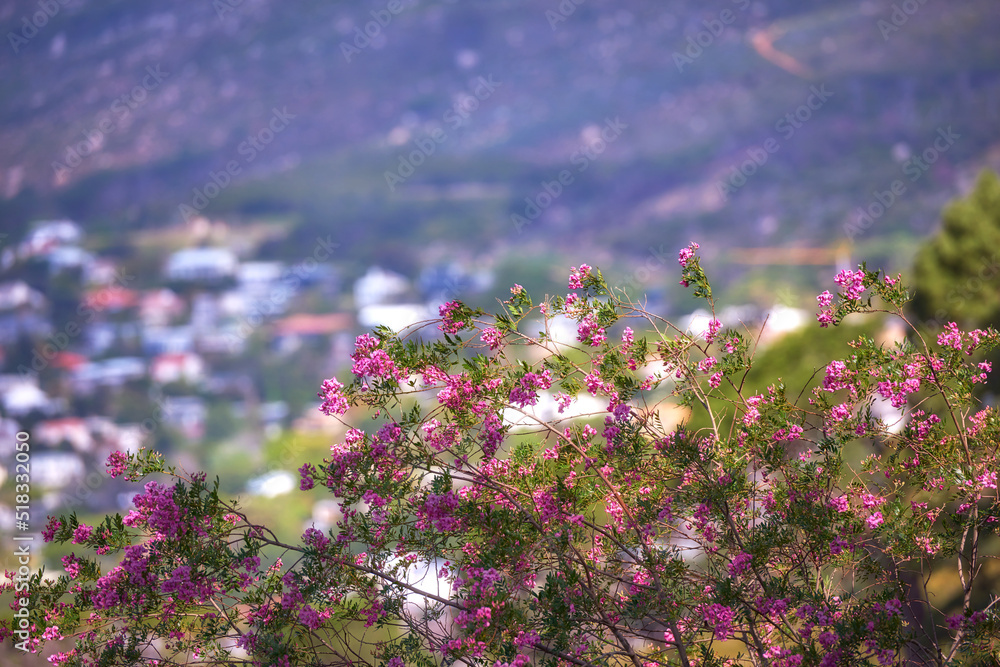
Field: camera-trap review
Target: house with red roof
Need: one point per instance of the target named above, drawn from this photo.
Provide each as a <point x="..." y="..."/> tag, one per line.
<point x="176" y="367"/>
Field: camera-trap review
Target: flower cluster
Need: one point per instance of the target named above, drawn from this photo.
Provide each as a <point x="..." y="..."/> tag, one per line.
<point x="157" y="509"/>
<point x="82" y="533"/>
<point x="589" y="331"/>
<point x="370" y="360"/>
<point x="492" y="337"/>
<point x="686" y="254"/>
<point x="825" y="316"/>
<point x="334" y="401"/>
<point x="853" y="283"/>
<point x="525" y="392"/>
<point x="438" y="512"/>
<point x="577" y="276"/>
<point x="955" y="339"/>
<point x="473" y="521"/>
<point x="454" y="318"/>
<point x="117" y="463"/>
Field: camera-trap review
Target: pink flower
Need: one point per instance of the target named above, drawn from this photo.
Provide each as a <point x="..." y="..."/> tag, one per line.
<point x="589" y="331"/>
<point x="117" y="463"/>
<point x="950" y="337"/>
<point x="306" y="473"/>
<point x="825" y="315"/>
<point x="334" y="401"/>
<point x="440" y="436"/>
<point x="525" y="392"/>
<point x="159" y="511"/>
<point x="685" y="255"/>
<point x="374" y="362"/>
<point x="310" y="618"/>
<point x="834" y="379"/>
<point x="49" y="533"/>
<point x="869" y="501"/>
<point x="893" y="607"/>
<point x="71" y="564"/>
<point x="713" y="330"/>
<point x="577" y="276"/>
<point x="492" y="337"/>
<point x="740" y="564"/>
<point x="707" y="364"/>
<point x="437" y="512"/>
<point x="181" y="586"/>
<point x="82" y="533"/>
<point x="840" y="412"/>
<point x="628" y="337"/>
<point x="852" y="282"/>
<point x="450" y="317"/>
<point x="715" y="380"/>
<point x="841" y="503"/>
<point x="875" y="520"/>
<point x="720" y="618"/>
<point x="59" y="659"/>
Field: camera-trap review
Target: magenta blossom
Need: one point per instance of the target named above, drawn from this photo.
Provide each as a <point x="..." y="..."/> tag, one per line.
<point x="82" y="533"/>
<point x="685" y="254"/>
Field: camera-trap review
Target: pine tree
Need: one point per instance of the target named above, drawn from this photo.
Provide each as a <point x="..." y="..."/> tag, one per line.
<point x="956" y="273"/>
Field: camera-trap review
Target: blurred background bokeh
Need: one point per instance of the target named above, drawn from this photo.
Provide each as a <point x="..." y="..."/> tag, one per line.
<point x="202" y="203"/>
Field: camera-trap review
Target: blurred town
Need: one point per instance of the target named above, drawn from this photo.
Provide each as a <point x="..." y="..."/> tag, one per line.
<point x="207" y="346"/>
<point x="97" y="356"/>
<point x="201" y="209"/>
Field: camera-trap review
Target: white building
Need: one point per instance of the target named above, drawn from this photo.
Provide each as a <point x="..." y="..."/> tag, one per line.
<point x="49" y="234"/>
<point x="379" y="286"/>
<point x="395" y="316"/>
<point x="201" y="264"/>
<point x="21" y="395"/>
<point x="18" y="294"/>
<point x="176" y="367"/>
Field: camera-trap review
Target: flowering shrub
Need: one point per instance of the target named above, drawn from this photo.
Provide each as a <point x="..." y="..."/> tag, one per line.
<point x="484" y="524"/>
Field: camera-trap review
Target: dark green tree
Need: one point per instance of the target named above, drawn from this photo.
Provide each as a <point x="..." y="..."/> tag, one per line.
<point x="957" y="272"/>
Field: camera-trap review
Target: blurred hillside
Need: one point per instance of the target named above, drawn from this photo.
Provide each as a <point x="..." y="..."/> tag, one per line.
<point x="821" y="104"/>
